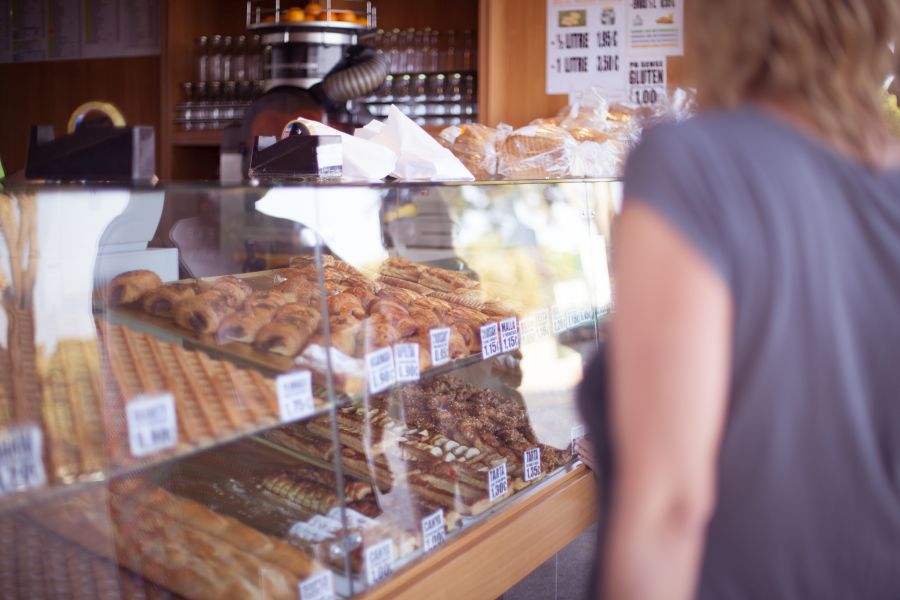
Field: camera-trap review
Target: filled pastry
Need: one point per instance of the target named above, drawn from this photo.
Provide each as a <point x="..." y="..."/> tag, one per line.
<point x="131" y="286"/>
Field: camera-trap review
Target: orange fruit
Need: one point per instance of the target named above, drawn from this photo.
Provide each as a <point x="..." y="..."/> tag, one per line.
<point x="269" y="19"/>
<point x="313" y="8"/>
<point x="362" y="20"/>
<point x="346" y="17"/>
<point x="294" y="14"/>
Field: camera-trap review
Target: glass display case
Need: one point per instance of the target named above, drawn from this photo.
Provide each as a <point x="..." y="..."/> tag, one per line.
<point x="313" y="391"/>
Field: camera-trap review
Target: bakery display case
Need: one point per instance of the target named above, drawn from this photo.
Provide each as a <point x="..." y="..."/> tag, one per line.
<point x="308" y="391"/>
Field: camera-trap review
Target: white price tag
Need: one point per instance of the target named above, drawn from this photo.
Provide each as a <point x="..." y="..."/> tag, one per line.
<point x="152" y="426"/>
<point x="317" y="587"/>
<point x="577" y="432"/>
<point x="380" y="366"/>
<point x="498" y="482"/>
<point x="490" y="340"/>
<point x="406" y="359"/>
<point x="295" y="395"/>
<point x="21" y="463"/>
<point x="532" y="462"/>
<point x="528" y="330"/>
<point x="379" y="561"/>
<point x="587" y="315"/>
<point x="509" y="334"/>
<point x="544" y="328"/>
<point x="572" y="317"/>
<point x="440" y="346"/>
<point x="434" y="531"/>
<point x="559" y="319"/>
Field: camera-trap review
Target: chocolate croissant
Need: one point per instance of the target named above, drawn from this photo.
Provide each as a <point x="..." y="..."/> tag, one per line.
<point x="202" y="313"/>
<point x="243" y="325"/>
<point x="346" y="303"/>
<point x="235" y="290"/>
<point x="130" y="287"/>
<point x="163" y="299"/>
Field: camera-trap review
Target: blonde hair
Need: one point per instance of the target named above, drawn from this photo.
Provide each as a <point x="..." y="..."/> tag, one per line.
<point x="826" y="60"/>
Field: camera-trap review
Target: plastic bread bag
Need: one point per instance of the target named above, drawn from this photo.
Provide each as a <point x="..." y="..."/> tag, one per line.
<point x="586" y="117"/>
<point x="594" y="159"/>
<point x="536" y="152"/>
<point x="476" y="146"/>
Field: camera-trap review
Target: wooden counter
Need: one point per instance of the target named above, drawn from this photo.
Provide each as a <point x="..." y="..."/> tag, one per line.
<point x="489" y="558"/>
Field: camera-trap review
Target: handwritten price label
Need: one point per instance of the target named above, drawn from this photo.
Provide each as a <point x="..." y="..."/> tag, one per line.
<point x="295" y="395"/>
<point x="406" y="359"/>
<point x="152" y="426"/>
<point x="498" y="482"/>
<point x="490" y="340"/>
<point x="440" y="346"/>
<point x="21" y="465"/>
<point x="532" y="462"/>
<point x="380" y="367"/>
<point x="509" y="334"/>
<point x="317" y="587"/>
<point x="379" y="561"/>
<point x="434" y="531"/>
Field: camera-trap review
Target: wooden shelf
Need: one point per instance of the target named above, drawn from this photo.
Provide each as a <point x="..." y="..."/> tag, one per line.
<point x="489" y="558"/>
<point x="198" y="137"/>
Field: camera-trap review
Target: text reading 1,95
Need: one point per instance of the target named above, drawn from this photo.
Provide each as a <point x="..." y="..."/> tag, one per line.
<point x="433" y="530"/>
<point x="406" y="358"/>
<point x="509" y="334"/>
<point x="21" y="466"/>
<point x="295" y="395"/>
<point x="498" y="482"/>
<point x="380" y="366"/>
<point x="490" y="340"/>
<point x="440" y="346"/>
<point x="532" y="462"/>
<point x="317" y="587"/>
<point x="152" y="426"/>
<point x="379" y="561"/>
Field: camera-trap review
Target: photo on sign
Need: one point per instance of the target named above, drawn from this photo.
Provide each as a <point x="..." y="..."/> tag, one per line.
<point x="668" y="19"/>
<point x="608" y="17"/>
<point x="572" y="18"/>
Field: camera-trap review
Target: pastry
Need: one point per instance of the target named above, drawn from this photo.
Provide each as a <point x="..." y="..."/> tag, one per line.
<point x="403" y="284"/>
<point x="242" y="325"/>
<point x="389" y="309"/>
<point x="204" y="312"/>
<point x="366" y="297"/>
<point x="308" y="494"/>
<point x="536" y="151"/>
<point x="268" y="301"/>
<point x="162" y="300"/>
<point x="346" y="303"/>
<point x="235" y="290"/>
<point x="304" y="291"/>
<point x="130" y="287"/>
<point x="401" y="268"/>
<point x="446" y="281"/>
<point x="290" y="330"/>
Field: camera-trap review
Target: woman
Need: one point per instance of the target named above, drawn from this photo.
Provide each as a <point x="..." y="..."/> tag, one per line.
<point x="755" y="350"/>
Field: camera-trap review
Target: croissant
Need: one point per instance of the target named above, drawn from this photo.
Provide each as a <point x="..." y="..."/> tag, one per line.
<point x="399" y="295"/>
<point x="242" y="326"/>
<point x="303" y="290"/>
<point x="446" y="281"/>
<point x="202" y="313"/>
<point x="346" y="303"/>
<point x="268" y="301"/>
<point x="161" y="300"/>
<point x="129" y="287"/>
<point x="294" y="324"/>
<point x="425" y="319"/>
<point x="401" y="268"/>
<point x="389" y="309"/>
<point x="365" y="296"/>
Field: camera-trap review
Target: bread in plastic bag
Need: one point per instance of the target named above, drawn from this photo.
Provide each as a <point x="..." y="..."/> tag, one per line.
<point x="536" y="152"/>
<point x="476" y="146"/>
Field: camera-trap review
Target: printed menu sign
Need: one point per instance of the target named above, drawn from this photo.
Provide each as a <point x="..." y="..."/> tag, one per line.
<point x="655" y="28"/>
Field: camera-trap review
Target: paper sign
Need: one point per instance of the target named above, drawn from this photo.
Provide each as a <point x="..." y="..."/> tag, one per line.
<point x="152" y="425"/>
<point x="558" y="318"/>
<point x="509" y="334"/>
<point x="434" y="531"/>
<point x="379" y="561"/>
<point x="587" y="315"/>
<point x="490" y="340"/>
<point x="655" y="28"/>
<point x="440" y="346"/>
<point x="577" y="432"/>
<point x="295" y="395"/>
<point x="406" y="359"/>
<point x="532" y="462"/>
<point x="572" y="317"/>
<point x="528" y="329"/>
<point x="647" y="81"/>
<point x="317" y="587"/>
<point x="498" y="482"/>
<point x="544" y="326"/>
<point x="21" y="464"/>
<point x="380" y="367"/>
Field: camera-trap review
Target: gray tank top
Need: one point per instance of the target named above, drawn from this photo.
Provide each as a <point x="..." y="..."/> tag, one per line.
<point x="808" y="242"/>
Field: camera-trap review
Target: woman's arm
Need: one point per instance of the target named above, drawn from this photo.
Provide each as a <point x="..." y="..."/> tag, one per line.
<point x="670" y="362"/>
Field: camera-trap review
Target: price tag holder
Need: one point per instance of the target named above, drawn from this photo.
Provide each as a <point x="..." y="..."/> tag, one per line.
<point x="532" y="462"/>
<point x="21" y="459"/>
<point x="544" y="325"/>
<point x="295" y="395"/>
<point x="440" y="346"/>
<point x="406" y="359"/>
<point x="498" y="482"/>
<point x="490" y="340"/>
<point x="380" y="367"/>
<point x="379" y="561"/>
<point x="559" y="319"/>
<point x="317" y="587"/>
<point x="434" y="530"/>
<point x="509" y="334"/>
<point x="152" y="425"/>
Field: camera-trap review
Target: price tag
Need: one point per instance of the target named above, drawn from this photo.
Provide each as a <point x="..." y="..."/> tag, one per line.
<point x="490" y="340"/>
<point x="544" y="329"/>
<point x="572" y="316"/>
<point x="559" y="319"/>
<point x="295" y="395"/>
<point x="509" y="334"/>
<point x="21" y="463"/>
<point x="440" y="346"/>
<point x="380" y="366"/>
<point x="577" y="433"/>
<point x="498" y="482"/>
<point x="587" y="315"/>
<point x="317" y="587"/>
<point x="532" y="462"/>
<point x="434" y="532"/>
<point x="152" y="426"/>
<point x="379" y="561"/>
<point x="406" y="359"/>
<point x="528" y="330"/>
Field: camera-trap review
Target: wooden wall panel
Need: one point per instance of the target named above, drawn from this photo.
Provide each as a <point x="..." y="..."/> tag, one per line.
<point x="443" y="15"/>
<point x="48" y="92"/>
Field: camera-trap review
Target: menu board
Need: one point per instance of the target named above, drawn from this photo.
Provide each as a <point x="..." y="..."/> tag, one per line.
<point x="40" y="30"/>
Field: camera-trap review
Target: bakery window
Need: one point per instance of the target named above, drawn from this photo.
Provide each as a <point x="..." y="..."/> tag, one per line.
<point x="315" y="390"/>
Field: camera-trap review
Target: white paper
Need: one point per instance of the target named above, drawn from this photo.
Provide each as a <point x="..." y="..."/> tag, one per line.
<point x="559" y="319"/>
<point x="419" y="156"/>
<point x="380" y="369"/>
<point x="362" y="158"/>
<point x="434" y="530"/>
<point x="318" y="587"/>
<point x="152" y="425"/>
<point x="532" y="464"/>
<point x="490" y="340"/>
<point x="379" y="561"/>
<point x="509" y="334"/>
<point x="295" y="395"/>
<point x="440" y="346"/>
<point x="544" y="327"/>
<point x="21" y="463"/>
<point x="498" y="482"/>
<point x="406" y="361"/>
<point x="655" y="27"/>
<point x="647" y="80"/>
